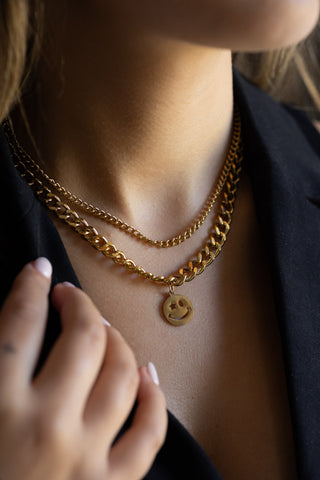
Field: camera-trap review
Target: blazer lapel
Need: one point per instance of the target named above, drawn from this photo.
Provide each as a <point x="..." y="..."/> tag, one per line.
<point x="284" y="165"/>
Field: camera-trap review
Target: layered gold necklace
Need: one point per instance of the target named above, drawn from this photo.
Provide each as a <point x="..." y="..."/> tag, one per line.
<point x="177" y="309"/>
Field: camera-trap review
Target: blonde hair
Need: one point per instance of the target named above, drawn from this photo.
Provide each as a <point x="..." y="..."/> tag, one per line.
<point x="20" y="40"/>
<point x="291" y="75"/>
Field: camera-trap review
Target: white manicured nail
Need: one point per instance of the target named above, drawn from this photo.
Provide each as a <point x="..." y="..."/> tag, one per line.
<point x="68" y="284"/>
<point x="153" y="373"/>
<point x="43" y="266"/>
<point x="105" y="322"/>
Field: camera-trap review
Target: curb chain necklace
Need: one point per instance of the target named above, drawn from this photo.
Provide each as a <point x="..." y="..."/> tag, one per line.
<point x="120" y="224"/>
<point x="177" y="309"/>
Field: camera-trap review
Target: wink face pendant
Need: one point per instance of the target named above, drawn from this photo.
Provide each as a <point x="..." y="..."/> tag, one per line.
<point x="178" y="310"/>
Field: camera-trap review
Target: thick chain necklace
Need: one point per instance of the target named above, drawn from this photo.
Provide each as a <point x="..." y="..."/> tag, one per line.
<point x="177" y="309"/>
<point x="120" y="224"/>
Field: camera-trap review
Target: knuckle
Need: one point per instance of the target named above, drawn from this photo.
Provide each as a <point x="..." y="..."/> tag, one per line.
<point x="9" y="412"/>
<point x="126" y="369"/>
<point x="160" y="438"/>
<point x="125" y="363"/>
<point x="74" y="298"/>
<point x="149" y="446"/>
<point x="93" y="330"/>
<point x="53" y="431"/>
<point x="24" y="303"/>
<point x="163" y="401"/>
<point x="115" y="336"/>
<point x="78" y="296"/>
<point x="156" y="437"/>
<point x="131" y="375"/>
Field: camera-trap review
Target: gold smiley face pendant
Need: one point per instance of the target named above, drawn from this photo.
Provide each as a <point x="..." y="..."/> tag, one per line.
<point x="178" y="310"/>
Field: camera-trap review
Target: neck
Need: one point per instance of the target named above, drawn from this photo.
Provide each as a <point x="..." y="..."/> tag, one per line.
<point x="144" y="123"/>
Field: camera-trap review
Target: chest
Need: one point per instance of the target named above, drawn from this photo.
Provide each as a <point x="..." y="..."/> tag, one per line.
<point x="222" y="373"/>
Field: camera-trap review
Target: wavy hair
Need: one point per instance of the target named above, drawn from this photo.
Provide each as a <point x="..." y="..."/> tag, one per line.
<point x="21" y="23"/>
<point x="290" y="75"/>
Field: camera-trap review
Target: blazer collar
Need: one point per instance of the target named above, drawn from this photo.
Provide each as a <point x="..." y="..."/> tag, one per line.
<point x="283" y="151"/>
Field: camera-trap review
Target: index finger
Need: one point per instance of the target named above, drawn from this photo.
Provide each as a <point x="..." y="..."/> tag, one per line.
<point x="22" y="323"/>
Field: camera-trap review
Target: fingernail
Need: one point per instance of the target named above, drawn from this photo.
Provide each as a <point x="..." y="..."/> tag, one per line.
<point x="43" y="266"/>
<point x="105" y="322"/>
<point x="68" y="284"/>
<point x="153" y="373"/>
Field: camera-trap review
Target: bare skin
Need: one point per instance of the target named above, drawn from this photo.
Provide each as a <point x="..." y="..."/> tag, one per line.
<point x="141" y="128"/>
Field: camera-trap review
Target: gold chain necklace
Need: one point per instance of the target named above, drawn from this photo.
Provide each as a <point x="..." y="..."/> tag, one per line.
<point x="120" y="224"/>
<point x="177" y="309"/>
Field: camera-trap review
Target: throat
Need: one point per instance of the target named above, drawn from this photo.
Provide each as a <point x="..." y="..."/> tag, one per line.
<point x="155" y="139"/>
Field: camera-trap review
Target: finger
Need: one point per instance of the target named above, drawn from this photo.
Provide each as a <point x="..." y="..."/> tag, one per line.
<point x="114" y="394"/>
<point x="22" y="324"/>
<point x="132" y="456"/>
<point x="74" y="362"/>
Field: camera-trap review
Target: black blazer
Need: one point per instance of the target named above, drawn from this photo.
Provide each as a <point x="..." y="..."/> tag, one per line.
<point x="282" y="158"/>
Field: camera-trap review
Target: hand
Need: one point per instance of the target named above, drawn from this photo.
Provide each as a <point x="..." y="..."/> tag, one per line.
<point x="61" y="425"/>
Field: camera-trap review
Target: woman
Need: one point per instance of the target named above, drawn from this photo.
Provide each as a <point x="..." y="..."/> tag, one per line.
<point x="132" y="107"/>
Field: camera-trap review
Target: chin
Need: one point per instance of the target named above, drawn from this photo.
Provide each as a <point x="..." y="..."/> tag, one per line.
<point x="255" y="25"/>
<point x="250" y="25"/>
<point x="280" y="24"/>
